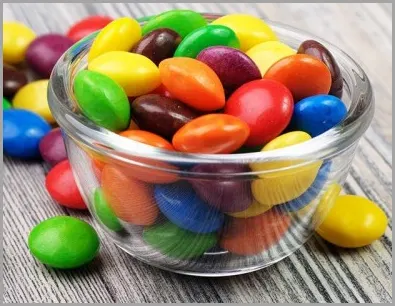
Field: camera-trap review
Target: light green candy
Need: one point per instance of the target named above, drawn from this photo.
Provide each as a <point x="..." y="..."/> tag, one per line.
<point x="104" y="212"/>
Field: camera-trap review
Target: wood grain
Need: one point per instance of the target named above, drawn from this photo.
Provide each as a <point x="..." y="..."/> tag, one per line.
<point x="317" y="272"/>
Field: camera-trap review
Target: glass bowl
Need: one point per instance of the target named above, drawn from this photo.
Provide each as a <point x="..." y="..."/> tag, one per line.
<point x="206" y="214"/>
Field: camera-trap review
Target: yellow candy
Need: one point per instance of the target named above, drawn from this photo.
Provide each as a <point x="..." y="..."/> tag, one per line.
<point x="137" y="74"/>
<point x="16" y="39"/>
<point x="119" y="35"/>
<point x="253" y="210"/>
<point x="250" y="30"/>
<point x="281" y="186"/>
<point x="267" y="53"/>
<point x="353" y="222"/>
<point x="33" y="97"/>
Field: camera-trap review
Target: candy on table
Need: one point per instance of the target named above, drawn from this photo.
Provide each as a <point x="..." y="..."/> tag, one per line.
<point x="250" y="30"/>
<point x="22" y="132"/>
<point x="266" y="119"/>
<point x="104" y="212"/>
<point x="227" y="195"/>
<point x="119" y="35"/>
<point x="352" y="222"/>
<point x="233" y="67"/>
<point x="135" y="73"/>
<point x="208" y="36"/>
<point x="148" y="138"/>
<point x="212" y="134"/>
<point x="16" y="39"/>
<point x="304" y="75"/>
<point x="52" y="147"/>
<point x="33" y="97"/>
<point x="161" y="115"/>
<point x="43" y="52"/>
<point x="63" y="242"/>
<point x="317" y="114"/>
<point x="176" y="242"/>
<point x="158" y="45"/>
<point x="102" y="100"/>
<point x="61" y="186"/>
<point x="6" y="104"/>
<point x="316" y="49"/>
<point x="183" y="207"/>
<point x="13" y="80"/>
<point x="253" y="210"/>
<point x="181" y="21"/>
<point x="87" y="26"/>
<point x="193" y="83"/>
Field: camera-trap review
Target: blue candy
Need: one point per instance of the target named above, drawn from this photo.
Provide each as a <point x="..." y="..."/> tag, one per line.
<point x="22" y="132"/>
<point x="182" y="206"/>
<point x="317" y="114"/>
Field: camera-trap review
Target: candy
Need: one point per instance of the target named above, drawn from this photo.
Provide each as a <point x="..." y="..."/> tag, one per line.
<point x="61" y="186"/>
<point x="316" y="49"/>
<point x="249" y="236"/>
<point x="353" y="222"/>
<point x="104" y="212"/>
<point x="33" y="97"/>
<point x="135" y="73"/>
<point x="303" y="74"/>
<point x="265" y="105"/>
<point x="181" y="205"/>
<point x="325" y="204"/>
<point x="130" y="200"/>
<point x="250" y="30"/>
<point x="148" y="138"/>
<point x="282" y="184"/>
<point x="52" y="148"/>
<point x="253" y="210"/>
<point x="181" y="21"/>
<point x="268" y="53"/>
<point x="225" y="194"/>
<point x="16" y="39"/>
<point x="13" y="80"/>
<point x="208" y="36"/>
<point x="63" y="242"/>
<point x="212" y="134"/>
<point x="177" y="242"/>
<point x="119" y="35"/>
<point x="43" y="53"/>
<point x="158" y="45"/>
<point x="102" y="100"/>
<point x="232" y="66"/>
<point x="22" y="132"/>
<point x="317" y="114"/>
<point x="161" y="115"/>
<point x="193" y="83"/>
<point x="87" y="26"/>
<point x="162" y="90"/>
<point x="6" y="104"/>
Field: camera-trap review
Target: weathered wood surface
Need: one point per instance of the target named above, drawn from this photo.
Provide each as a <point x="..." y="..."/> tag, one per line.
<point x="315" y="273"/>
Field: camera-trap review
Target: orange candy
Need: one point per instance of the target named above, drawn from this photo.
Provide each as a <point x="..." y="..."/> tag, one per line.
<point x="211" y="134"/>
<point x="147" y="138"/>
<point x="304" y="75"/>
<point x="193" y="83"/>
<point x="130" y="199"/>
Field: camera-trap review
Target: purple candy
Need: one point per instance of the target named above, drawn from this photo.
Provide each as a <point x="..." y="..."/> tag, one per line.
<point x="52" y="147"/>
<point x="233" y="67"/>
<point x="226" y="194"/>
<point x="43" y="53"/>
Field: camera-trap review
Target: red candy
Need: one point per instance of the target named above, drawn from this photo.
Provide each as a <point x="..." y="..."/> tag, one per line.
<point x="87" y="26"/>
<point x="60" y="184"/>
<point x="265" y="105"/>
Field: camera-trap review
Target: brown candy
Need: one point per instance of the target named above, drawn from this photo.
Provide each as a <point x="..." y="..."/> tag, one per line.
<point x="13" y="80"/>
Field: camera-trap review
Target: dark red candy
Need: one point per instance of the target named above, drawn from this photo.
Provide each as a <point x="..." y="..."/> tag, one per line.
<point x="61" y="185"/>
<point x="158" y="45"/>
<point x="13" y="80"/>
<point x="52" y="147"/>
<point x="316" y="49"/>
<point x="87" y="26"/>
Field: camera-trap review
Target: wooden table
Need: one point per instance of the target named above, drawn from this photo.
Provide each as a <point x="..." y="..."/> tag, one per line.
<point x="317" y="272"/>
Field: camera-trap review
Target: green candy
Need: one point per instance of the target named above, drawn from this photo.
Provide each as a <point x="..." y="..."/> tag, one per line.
<point x="6" y="104"/>
<point x="181" y="21"/>
<point x="63" y="242"/>
<point x="104" y="212"/>
<point x="177" y="242"/>
<point x="208" y="36"/>
<point x="102" y="100"/>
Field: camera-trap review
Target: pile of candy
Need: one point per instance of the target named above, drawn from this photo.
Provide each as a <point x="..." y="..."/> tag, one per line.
<point x="181" y="84"/>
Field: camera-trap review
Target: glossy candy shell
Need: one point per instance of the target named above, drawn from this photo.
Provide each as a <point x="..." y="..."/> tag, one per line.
<point x="87" y="26"/>
<point x="16" y="39"/>
<point x="52" y="147"/>
<point x="104" y="212"/>
<point x="13" y="80"/>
